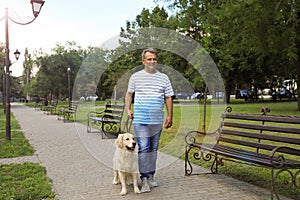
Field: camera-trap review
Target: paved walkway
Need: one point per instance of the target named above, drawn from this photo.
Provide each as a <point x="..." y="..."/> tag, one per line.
<point x="79" y="165"/>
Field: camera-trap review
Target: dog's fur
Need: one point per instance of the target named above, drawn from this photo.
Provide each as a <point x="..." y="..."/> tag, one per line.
<point x="125" y="162"/>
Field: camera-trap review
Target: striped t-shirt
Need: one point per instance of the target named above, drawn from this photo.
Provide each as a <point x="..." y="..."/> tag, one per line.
<point x="150" y="90"/>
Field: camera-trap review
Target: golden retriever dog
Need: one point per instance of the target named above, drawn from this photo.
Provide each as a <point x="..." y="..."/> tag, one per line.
<point x="126" y="162"/>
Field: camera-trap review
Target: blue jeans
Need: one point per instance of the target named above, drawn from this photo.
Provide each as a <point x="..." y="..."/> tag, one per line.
<point x="147" y="136"/>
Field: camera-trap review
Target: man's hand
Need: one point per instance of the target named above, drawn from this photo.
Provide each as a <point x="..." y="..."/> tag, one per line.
<point x="128" y="100"/>
<point x="168" y="122"/>
<point x="129" y="114"/>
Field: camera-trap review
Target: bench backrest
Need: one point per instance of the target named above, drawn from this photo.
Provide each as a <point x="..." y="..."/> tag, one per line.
<point x="113" y="112"/>
<point x="260" y="133"/>
<point x="54" y="102"/>
<point x="73" y="105"/>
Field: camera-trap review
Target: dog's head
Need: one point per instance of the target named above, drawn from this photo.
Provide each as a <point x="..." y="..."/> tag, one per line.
<point x="126" y="141"/>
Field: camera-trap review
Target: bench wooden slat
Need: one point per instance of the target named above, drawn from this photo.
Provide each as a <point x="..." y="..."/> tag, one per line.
<point x="258" y="145"/>
<point x="247" y="143"/>
<point x="117" y="118"/>
<point x="262" y="127"/>
<point x="275" y="138"/>
<point x="115" y="106"/>
<point x="266" y="118"/>
<point x="113" y="112"/>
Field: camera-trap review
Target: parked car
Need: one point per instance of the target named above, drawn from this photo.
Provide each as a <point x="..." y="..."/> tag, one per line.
<point x="243" y="94"/>
<point x="197" y="95"/>
<point x="92" y="97"/>
<point x="181" y="96"/>
<point x="285" y="94"/>
<point x="282" y="93"/>
<point x="82" y="99"/>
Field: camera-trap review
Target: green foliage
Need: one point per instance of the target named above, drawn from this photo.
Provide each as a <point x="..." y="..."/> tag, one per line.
<point x="52" y="77"/>
<point x="250" y="41"/>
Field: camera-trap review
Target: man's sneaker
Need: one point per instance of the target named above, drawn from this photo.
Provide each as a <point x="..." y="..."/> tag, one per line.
<point x="145" y="185"/>
<point x="152" y="182"/>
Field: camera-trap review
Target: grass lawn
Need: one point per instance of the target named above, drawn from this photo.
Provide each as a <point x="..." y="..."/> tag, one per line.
<point x="24" y="181"/>
<point x="20" y="181"/>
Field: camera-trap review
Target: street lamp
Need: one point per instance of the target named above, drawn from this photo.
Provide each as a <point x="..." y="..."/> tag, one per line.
<point x="36" y="8"/>
<point x="69" y="82"/>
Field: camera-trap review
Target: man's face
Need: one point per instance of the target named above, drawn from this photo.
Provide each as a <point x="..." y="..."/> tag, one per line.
<point x="150" y="62"/>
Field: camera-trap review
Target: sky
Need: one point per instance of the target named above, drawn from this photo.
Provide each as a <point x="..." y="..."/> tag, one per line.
<point x="86" y="22"/>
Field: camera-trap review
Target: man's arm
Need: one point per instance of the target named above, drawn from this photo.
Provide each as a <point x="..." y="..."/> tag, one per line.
<point x="169" y="104"/>
<point x="128" y="101"/>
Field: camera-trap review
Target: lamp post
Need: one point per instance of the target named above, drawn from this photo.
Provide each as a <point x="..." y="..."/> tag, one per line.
<point x="17" y="55"/>
<point x="69" y="82"/>
<point x="36" y="8"/>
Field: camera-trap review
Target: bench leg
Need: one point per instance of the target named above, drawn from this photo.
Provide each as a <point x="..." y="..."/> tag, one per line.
<point x="199" y="154"/>
<point x="58" y="115"/>
<point x="188" y="169"/>
<point x="88" y="128"/>
<point x="272" y="184"/>
<point x="214" y="166"/>
<point x="89" y="125"/>
<point x="290" y="182"/>
<point x="66" y="116"/>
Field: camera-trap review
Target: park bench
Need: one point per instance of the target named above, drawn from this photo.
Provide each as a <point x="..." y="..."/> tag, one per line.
<point x="40" y="104"/>
<point x="50" y="108"/>
<point x="108" y="122"/>
<point x="68" y="113"/>
<point x="267" y="141"/>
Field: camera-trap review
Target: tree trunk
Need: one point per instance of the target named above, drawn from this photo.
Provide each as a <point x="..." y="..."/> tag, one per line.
<point x="298" y="82"/>
<point x="298" y="51"/>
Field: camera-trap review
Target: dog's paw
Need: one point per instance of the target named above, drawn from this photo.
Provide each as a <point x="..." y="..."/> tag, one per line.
<point x="116" y="182"/>
<point x="137" y="190"/>
<point x="123" y="192"/>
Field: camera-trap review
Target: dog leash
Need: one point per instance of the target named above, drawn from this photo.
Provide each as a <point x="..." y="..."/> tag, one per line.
<point x="127" y="125"/>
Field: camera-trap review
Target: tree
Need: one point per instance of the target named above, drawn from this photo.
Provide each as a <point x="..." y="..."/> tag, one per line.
<point x="52" y="75"/>
<point x="138" y="33"/>
<point x="27" y="72"/>
<point x="249" y="40"/>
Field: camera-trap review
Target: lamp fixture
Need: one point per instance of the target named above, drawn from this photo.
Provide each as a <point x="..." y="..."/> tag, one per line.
<point x="36" y="6"/>
<point x="17" y="54"/>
